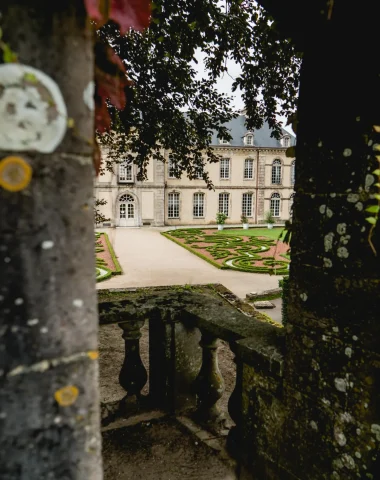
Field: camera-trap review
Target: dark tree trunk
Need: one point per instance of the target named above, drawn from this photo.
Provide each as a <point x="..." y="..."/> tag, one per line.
<point x="333" y="334"/>
<point x="49" y="419"/>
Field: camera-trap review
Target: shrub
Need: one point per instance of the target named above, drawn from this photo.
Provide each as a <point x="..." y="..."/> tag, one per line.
<point x="244" y="219"/>
<point x="268" y="217"/>
<point x="221" y="218"/>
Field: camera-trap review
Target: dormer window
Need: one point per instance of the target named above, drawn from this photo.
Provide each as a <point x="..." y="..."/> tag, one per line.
<point x="249" y="139"/>
<point x="223" y="141"/>
<point x="286" y="142"/>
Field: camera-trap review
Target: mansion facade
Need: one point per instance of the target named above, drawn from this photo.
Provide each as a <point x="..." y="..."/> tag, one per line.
<point x="253" y="176"/>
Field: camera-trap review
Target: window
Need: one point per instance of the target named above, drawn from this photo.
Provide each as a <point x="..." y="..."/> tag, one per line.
<point x="173" y="205"/>
<point x="126" y="206"/>
<point x="248" y="168"/>
<point x="225" y="168"/>
<point x="246" y="209"/>
<point x="199" y="205"/>
<point x="276" y="172"/>
<point x="293" y="172"/>
<point x="291" y="201"/>
<point x="275" y="204"/>
<point x="249" y="140"/>
<point x="125" y="172"/>
<point x="171" y="168"/>
<point x="286" y="142"/>
<point x="224" y="200"/>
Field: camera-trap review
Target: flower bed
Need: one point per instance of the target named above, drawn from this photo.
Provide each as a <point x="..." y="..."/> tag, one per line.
<point x="106" y="261"/>
<point x="244" y="253"/>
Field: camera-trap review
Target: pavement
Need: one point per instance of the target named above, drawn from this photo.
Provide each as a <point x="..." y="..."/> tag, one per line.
<point x="149" y="259"/>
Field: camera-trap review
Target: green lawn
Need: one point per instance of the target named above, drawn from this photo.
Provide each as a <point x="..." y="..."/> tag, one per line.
<point x="252" y="232"/>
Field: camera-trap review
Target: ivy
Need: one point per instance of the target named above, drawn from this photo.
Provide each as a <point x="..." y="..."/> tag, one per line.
<point x="374" y="209"/>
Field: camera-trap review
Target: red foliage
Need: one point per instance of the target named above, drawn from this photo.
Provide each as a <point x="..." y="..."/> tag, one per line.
<point x="110" y="74"/>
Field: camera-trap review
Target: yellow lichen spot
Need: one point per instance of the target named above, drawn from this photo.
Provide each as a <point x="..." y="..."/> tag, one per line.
<point x="66" y="396"/>
<point x="15" y="174"/>
<point x="376" y="128"/>
<point x="93" y="354"/>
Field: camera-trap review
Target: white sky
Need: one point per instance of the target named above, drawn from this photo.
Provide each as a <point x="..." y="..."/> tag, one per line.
<point x="224" y="84"/>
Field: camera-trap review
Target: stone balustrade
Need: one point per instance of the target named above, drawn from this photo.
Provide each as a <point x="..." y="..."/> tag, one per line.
<point x="185" y="326"/>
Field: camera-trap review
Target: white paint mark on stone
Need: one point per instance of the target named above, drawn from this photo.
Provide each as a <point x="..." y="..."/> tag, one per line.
<point x="78" y="302"/>
<point x="375" y="429"/>
<point x="327" y="263"/>
<point x="322" y="209"/>
<point x="32" y="322"/>
<point x="348" y="352"/>
<point x="369" y="180"/>
<point x="342" y="252"/>
<point x="358" y="455"/>
<point x="303" y="297"/>
<point x="328" y="241"/>
<point x="33" y="114"/>
<point x="340" y="384"/>
<point x="341" y="228"/>
<point x="332" y="195"/>
<point x="347" y="152"/>
<point x="57" y="420"/>
<point x="320" y="143"/>
<point x="19" y="301"/>
<point x="352" y="197"/>
<point x="311" y="180"/>
<point x="88" y="96"/>
<point x="44" y="330"/>
<point x="355" y="338"/>
<point x="47" y="244"/>
<point x="314" y="425"/>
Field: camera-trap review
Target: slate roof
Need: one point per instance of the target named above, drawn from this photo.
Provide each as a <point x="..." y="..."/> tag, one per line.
<point x="261" y="137"/>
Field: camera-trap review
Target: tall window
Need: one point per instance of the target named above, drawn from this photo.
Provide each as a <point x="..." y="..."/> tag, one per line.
<point x="293" y="172"/>
<point x="276" y="172"/>
<point x="126" y="206"/>
<point x="246" y="208"/>
<point x="291" y="202"/>
<point x="275" y="204"/>
<point x="171" y="168"/>
<point x="249" y="140"/>
<point x="286" y="141"/>
<point x="248" y="168"/>
<point x="173" y="205"/>
<point x="224" y="168"/>
<point x="199" y="205"/>
<point x="224" y="200"/>
<point x="125" y="172"/>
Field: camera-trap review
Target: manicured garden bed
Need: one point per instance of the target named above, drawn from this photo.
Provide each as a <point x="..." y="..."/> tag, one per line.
<point x="106" y="260"/>
<point x="244" y="250"/>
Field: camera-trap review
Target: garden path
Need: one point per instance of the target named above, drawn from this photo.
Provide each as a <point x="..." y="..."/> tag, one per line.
<point x="149" y="259"/>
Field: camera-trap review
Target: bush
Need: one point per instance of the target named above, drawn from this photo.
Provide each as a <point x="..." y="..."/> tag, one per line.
<point x="244" y="219"/>
<point x="221" y="218"/>
<point x="268" y="217"/>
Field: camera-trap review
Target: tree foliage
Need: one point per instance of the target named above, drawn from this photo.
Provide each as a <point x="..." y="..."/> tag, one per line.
<point x="169" y="108"/>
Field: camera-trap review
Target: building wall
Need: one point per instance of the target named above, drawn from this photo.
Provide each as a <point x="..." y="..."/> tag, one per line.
<point x="151" y="196"/>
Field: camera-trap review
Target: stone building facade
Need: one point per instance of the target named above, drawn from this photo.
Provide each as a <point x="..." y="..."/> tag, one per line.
<point x="253" y="176"/>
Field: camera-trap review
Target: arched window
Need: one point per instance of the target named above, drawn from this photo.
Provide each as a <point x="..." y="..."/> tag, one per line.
<point x="291" y="201"/>
<point x="276" y="172"/>
<point x="275" y="204"/>
<point x="293" y="172"/>
<point x="126" y="206"/>
<point x="248" y="168"/>
<point x="199" y="205"/>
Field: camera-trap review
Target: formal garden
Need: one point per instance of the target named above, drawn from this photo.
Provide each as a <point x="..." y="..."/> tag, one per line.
<point x="106" y="260"/>
<point x="257" y="250"/>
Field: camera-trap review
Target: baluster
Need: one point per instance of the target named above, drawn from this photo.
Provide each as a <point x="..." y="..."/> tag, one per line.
<point x="209" y="384"/>
<point x="235" y="407"/>
<point x="133" y="375"/>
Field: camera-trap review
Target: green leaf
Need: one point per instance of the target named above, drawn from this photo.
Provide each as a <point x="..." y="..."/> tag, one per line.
<point x="70" y="122"/>
<point x="377" y="184"/>
<point x="371" y="220"/>
<point x="160" y="39"/>
<point x="30" y="77"/>
<point x="377" y="196"/>
<point x="1" y="33"/>
<point x="373" y="209"/>
<point x="376" y="172"/>
<point x="290" y="152"/>
<point x="8" y="55"/>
